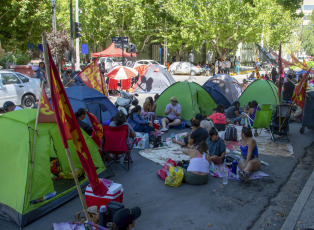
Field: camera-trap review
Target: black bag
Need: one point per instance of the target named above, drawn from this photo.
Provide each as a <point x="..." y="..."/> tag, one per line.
<point x="155" y="141"/>
<point x="231" y="133"/>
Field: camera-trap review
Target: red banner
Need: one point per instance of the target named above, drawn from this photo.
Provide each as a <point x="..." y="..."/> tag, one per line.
<point x="98" y="131"/>
<point x="92" y="77"/>
<point x="66" y="120"/>
<point x="299" y="92"/>
<point x="301" y="65"/>
<point x="45" y="111"/>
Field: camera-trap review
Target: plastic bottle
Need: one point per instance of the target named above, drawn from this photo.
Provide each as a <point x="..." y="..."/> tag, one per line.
<point x="225" y="171"/>
<point x="49" y="195"/>
<point x="103" y="216"/>
<point x="234" y="167"/>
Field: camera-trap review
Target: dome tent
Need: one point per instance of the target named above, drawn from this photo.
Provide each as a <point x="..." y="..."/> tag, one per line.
<point x="213" y="89"/>
<point x="228" y="85"/>
<point x="155" y="80"/>
<point x="192" y="98"/>
<point x="262" y="91"/>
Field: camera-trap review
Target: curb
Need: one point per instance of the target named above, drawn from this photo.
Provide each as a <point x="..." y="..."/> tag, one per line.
<point x="299" y="205"/>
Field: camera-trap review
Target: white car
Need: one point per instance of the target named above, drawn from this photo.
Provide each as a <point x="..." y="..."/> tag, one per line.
<point x="109" y="62"/>
<point x="19" y="89"/>
<point x="185" y="68"/>
<point x="148" y="63"/>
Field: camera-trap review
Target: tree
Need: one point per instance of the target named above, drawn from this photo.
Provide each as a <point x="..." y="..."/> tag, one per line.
<point x="308" y="37"/>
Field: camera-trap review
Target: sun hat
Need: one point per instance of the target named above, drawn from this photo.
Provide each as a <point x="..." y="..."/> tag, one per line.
<point x="123" y="217"/>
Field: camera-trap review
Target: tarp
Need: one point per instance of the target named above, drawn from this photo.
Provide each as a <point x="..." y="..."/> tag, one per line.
<point x="16" y="140"/>
<point x="192" y="98"/>
<point x="155" y="80"/>
<point x="262" y="91"/>
<point x="213" y="89"/>
<point x="228" y="85"/>
<point x="111" y="51"/>
<point x="96" y="103"/>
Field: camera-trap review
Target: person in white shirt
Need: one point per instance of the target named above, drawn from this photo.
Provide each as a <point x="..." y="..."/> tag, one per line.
<point x="228" y="66"/>
<point x="216" y="67"/>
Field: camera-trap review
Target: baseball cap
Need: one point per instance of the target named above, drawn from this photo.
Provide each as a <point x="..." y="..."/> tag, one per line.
<point x="7" y="104"/>
<point x="174" y="99"/>
<point x="123" y="217"/>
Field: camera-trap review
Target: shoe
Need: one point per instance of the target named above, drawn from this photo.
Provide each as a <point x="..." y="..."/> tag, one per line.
<point x="244" y="176"/>
<point x="164" y="130"/>
<point x="168" y="127"/>
<point x="172" y="136"/>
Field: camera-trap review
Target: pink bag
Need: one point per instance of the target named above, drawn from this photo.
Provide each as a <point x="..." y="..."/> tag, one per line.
<point x="163" y="172"/>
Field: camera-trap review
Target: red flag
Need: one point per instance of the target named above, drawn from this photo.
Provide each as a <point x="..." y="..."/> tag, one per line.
<point x="45" y="111"/>
<point x="258" y="76"/>
<point x="304" y="62"/>
<point x="280" y="74"/>
<point x="285" y="63"/>
<point x="98" y="131"/>
<point x="299" y="92"/>
<point x="92" y="77"/>
<point x="66" y="120"/>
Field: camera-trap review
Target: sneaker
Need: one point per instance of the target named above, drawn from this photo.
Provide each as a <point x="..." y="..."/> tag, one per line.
<point x="172" y="136"/>
<point x="244" y="176"/>
<point x="164" y="130"/>
<point x="168" y="127"/>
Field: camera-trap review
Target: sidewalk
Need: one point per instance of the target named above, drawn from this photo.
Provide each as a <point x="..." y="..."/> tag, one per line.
<point x="301" y="215"/>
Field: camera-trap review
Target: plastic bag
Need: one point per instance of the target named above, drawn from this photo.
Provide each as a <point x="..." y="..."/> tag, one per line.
<point x="163" y="172"/>
<point x="175" y="177"/>
<point x="144" y="141"/>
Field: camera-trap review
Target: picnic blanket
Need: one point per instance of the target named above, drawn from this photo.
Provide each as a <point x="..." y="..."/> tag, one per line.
<point x="162" y="154"/>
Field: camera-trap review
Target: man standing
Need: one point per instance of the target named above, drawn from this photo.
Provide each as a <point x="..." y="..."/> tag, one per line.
<point x="216" y="67"/>
<point x="231" y="62"/>
<point x="220" y="66"/>
<point x="228" y="66"/>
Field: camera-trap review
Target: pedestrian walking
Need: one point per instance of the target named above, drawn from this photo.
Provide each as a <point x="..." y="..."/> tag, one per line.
<point x="216" y="67"/>
<point x="228" y="66"/>
<point x="237" y="66"/>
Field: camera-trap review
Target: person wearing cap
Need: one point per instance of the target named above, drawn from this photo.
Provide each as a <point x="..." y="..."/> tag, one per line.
<point x="124" y="219"/>
<point x="172" y="111"/>
<point x="9" y="106"/>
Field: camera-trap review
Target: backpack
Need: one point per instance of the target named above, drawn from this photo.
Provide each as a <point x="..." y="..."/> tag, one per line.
<point x="155" y="140"/>
<point x="231" y="133"/>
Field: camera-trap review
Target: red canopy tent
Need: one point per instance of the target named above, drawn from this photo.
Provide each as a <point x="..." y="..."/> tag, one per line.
<point x="111" y="51"/>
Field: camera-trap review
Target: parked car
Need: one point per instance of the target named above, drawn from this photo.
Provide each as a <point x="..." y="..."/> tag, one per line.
<point x="185" y="68"/>
<point x="148" y="62"/>
<point x="19" y="89"/>
<point x="109" y="63"/>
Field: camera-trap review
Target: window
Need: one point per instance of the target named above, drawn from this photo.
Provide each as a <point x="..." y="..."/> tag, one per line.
<point x="308" y="7"/>
<point x="154" y="62"/>
<point x="9" y="78"/>
<point x="22" y="77"/>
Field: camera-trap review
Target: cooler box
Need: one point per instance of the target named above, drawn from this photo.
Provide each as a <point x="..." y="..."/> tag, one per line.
<point x="115" y="193"/>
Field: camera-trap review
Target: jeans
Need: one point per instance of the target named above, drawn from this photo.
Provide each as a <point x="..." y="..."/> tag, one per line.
<point x="143" y="128"/>
<point x="235" y="120"/>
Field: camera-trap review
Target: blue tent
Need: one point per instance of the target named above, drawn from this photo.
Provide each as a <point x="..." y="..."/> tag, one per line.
<point x="96" y="103"/>
<point x="213" y="89"/>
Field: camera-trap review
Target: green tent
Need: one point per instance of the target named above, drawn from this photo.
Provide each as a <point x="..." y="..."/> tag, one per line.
<point x="192" y="97"/>
<point x="262" y="91"/>
<point x="16" y="141"/>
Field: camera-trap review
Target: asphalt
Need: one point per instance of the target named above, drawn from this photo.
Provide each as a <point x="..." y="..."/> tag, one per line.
<point x="237" y="205"/>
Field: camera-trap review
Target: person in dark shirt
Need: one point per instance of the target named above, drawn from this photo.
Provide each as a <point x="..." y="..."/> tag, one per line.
<point x="233" y="113"/>
<point x="216" y="147"/>
<point x="80" y="116"/>
<point x="288" y="89"/>
<point x="274" y="75"/>
<point x="198" y="135"/>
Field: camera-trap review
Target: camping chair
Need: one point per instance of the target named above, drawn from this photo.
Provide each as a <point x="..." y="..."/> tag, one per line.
<point x="115" y="145"/>
<point x="262" y="117"/>
<point x="280" y="121"/>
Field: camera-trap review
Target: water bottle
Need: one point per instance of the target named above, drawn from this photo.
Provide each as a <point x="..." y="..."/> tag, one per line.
<point x="103" y="217"/>
<point x="234" y="167"/>
<point x="225" y="175"/>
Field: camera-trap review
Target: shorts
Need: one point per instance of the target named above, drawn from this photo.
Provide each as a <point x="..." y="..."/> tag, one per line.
<point x="171" y="120"/>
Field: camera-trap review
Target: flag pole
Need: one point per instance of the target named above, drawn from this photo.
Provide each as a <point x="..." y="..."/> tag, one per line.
<point x="34" y="142"/>
<point x="66" y="150"/>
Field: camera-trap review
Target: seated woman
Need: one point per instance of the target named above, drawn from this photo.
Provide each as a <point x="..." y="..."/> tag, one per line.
<point x="198" y="135"/>
<point x="249" y="161"/>
<point x="198" y="169"/>
<point x="149" y="107"/>
<point x="216" y="147"/>
<point x="80" y="116"/>
<point x="172" y="111"/>
<point x="219" y="119"/>
<point x="138" y="123"/>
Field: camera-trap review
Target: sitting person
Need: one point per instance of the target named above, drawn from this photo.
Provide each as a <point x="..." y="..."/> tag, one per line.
<point x="198" y="135"/>
<point x="124" y="219"/>
<point x="118" y="120"/>
<point x="245" y="120"/>
<point x="80" y="116"/>
<point x="198" y="169"/>
<point x="249" y="152"/>
<point x="233" y="113"/>
<point x="138" y="123"/>
<point x="216" y="147"/>
<point x="204" y="123"/>
<point x="219" y="118"/>
<point x="172" y="111"/>
<point x="149" y="107"/>
<point x="9" y="106"/>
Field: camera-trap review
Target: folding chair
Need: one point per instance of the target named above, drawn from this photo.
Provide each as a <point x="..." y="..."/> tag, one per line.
<point x="262" y="117"/>
<point x="115" y="145"/>
<point x="280" y="121"/>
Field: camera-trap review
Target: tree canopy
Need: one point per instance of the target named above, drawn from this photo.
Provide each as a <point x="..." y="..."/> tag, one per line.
<point x="308" y="37"/>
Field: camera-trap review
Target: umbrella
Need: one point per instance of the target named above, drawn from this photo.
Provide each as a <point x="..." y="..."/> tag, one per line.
<point x="122" y="72"/>
<point x="142" y="69"/>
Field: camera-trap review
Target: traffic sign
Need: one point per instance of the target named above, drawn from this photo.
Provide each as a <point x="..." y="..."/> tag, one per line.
<point x="120" y="39"/>
<point x="84" y="48"/>
<point x="30" y="46"/>
<point x="40" y="47"/>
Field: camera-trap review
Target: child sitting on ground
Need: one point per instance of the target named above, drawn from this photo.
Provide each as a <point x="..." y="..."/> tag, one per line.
<point x="216" y="147"/>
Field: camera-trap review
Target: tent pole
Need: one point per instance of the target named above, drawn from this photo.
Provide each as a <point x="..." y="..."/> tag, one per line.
<point x="44" y="42"/>
<point x="77" y="183"/>
<point x="34" y="143"/>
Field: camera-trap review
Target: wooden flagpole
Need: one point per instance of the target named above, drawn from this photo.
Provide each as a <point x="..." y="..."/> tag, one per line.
<point x="66" y="150"/>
